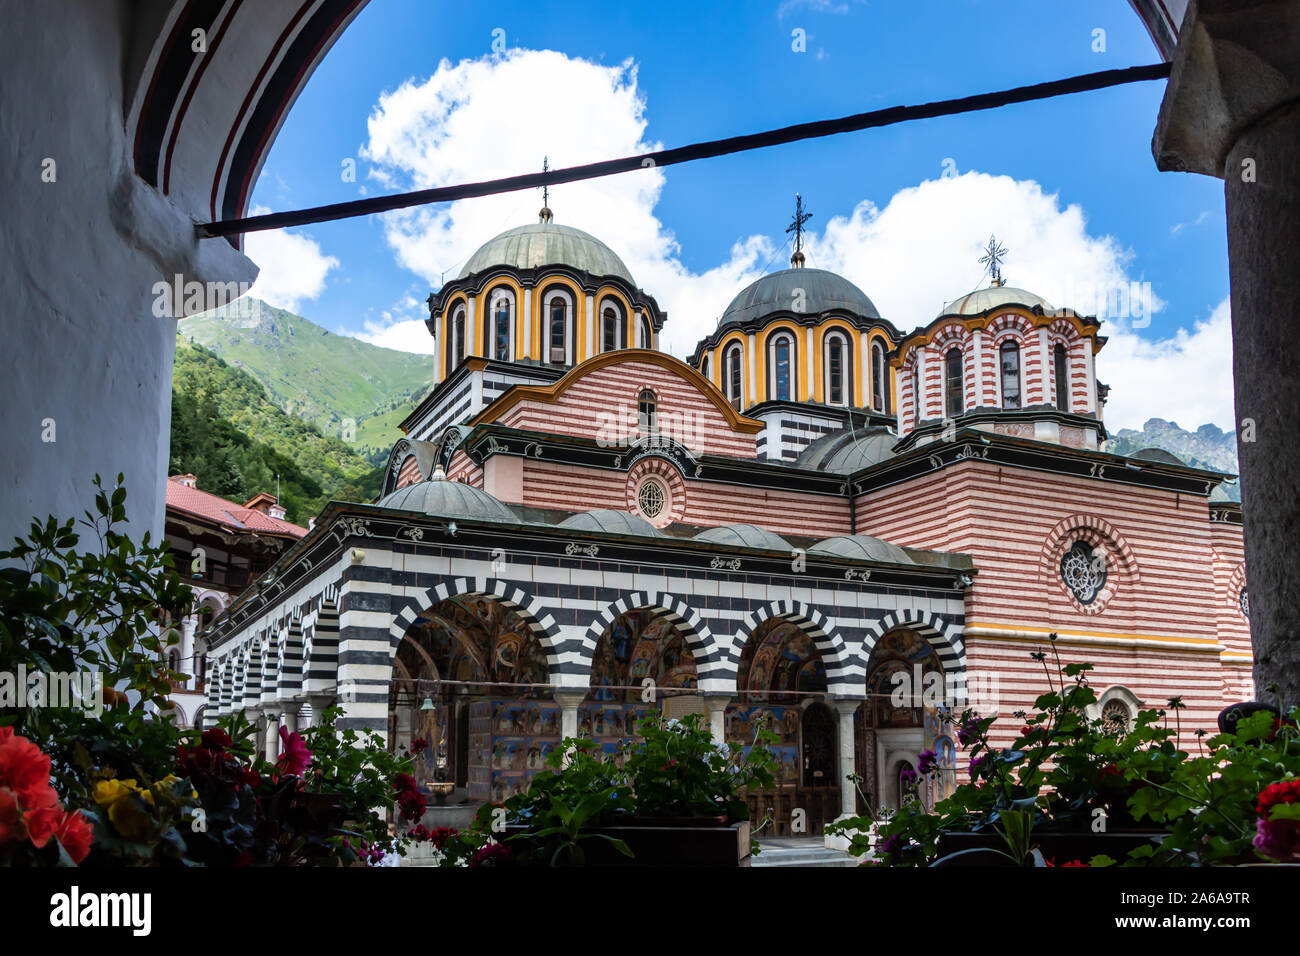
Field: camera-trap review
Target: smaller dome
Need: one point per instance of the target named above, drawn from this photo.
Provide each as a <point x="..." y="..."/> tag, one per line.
<point x="862" y="547"/>
<point x="981" y="300"/>
<point x="848" y="450"/>
<point x="745" y="536"/>
<point x="448" y="499"/>
<point x="818" y="291"/>
<point x="1157" y="455"/>
<point x="610" y="521"/>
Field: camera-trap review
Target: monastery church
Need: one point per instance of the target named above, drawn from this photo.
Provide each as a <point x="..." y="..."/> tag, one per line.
<point x="812" y="511"/>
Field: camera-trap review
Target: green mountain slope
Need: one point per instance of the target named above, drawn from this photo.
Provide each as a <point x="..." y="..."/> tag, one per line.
<point x="228" y="432"/>
<point x="1208" y="447"/>
<point x="311" y="373"/>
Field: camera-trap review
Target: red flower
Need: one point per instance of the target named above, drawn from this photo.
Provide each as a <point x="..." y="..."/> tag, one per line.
<point x="43" y="822"/>
<point x="216" y="739"/>
<point x="419" y="745"/>
<point x="1285" y="791"/>
<point x="295" y="758"/>
<point x="25" y="770"/>
<point x="441" y="835"/>
<point x="491" y="854"/>
<point x="11" y="817"/>
<point x="74" y="835"/>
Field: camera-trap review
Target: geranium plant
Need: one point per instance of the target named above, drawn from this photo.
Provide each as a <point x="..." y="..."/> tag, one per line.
<point x="1235" y="801"/>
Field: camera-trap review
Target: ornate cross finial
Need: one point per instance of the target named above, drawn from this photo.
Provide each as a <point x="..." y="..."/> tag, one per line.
<point x="546" y="215"/>
<point x="796" y="226"/>
<point x="994" y="253"/>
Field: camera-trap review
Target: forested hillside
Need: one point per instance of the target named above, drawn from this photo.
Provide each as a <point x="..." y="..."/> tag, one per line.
<point x="228" y="432"/>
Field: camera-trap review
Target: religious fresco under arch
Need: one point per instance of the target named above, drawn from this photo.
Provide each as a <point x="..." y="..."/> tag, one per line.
<point x="477" y="648"/>
<point x="780" y="671"/>
<point x="639" y="646"/>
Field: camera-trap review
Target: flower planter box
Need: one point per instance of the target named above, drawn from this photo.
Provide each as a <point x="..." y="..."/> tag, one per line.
<point x="1058" y="847"/>
<point x="702" y="841"/>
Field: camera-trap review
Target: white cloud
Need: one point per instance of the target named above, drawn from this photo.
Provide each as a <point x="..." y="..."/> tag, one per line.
<point x="467" y="123"/>
<point x="292" y="266"/>
<point x="410" y="335"/>
<point x="1186" y="378"/>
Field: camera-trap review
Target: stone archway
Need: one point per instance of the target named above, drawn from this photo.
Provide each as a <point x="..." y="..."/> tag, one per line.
<point x="782" y="684"/>
<point x="471" y="697"/>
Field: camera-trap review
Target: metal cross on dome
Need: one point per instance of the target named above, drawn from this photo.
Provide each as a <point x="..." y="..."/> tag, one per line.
<point x="796" y="224"/>
<point x="994" y="253"/>
<point x="546" y="215"/>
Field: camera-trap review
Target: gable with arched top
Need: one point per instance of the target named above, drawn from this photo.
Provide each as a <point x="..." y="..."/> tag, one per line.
<point x="710" y="657"/>
<point x="554" y="393"/>
<point x="843" y="675"/>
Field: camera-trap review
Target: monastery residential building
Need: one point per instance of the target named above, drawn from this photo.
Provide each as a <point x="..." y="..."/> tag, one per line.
<point x="219" y="548"/>
<point x="814" y="511"/>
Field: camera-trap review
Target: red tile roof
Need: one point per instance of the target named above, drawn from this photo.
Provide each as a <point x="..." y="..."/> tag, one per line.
<point x="201" y="504"/>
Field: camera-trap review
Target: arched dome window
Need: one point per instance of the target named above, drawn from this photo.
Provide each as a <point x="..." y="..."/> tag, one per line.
<point x="611" y="326"/>
<point x="954" y="400"/>
<point x="704" y="366"/>
<point x="1062" y="377"/>
<point x="455" y="346"/>
<point x="1009" y="354"/>
<point x="781" y="363"/>
<point x="647" y="335"/>
<point x="732" y="369"/>
<point x="558" y="310"/>
<point x="879" y="379"/>
<point x="839" y="371"/>
<point x="502" y="312"/>
<point x="645" y="407"/>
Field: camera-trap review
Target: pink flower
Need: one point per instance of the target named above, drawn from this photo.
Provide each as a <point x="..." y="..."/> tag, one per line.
<point x="1276" y="838"/>
<point x="295" y="758"/>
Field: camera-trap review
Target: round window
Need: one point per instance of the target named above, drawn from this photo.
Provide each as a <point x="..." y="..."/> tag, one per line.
<point x="1084" y="572"/>
<point x="650" y="498"/>
<point x="1114" y="717"/>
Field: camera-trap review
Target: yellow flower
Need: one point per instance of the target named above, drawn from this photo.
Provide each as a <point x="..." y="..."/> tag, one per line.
<point x="108" y="792"/>
<point x="129" y="820"/>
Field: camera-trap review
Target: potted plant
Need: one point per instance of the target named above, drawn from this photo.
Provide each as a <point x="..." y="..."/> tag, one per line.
<point x="672" y="798"/>
<point x="1073" y="791"/>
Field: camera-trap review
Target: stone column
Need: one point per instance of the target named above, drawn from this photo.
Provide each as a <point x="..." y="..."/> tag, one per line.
<point x="188" y="627"/>
<point x="717" y="704"/>
<point x="847" y="708"/>
<point x="1232" y="110"/>
<point x="569" y="701"/>
<point x="290" y="717"/>
<point x="272" y="734"/>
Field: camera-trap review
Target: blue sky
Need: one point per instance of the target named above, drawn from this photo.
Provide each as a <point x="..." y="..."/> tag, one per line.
<point x="1070" y="181"/>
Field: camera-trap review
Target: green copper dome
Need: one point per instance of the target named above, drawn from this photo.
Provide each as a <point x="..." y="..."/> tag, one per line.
<point x="744" y="536"/>
<point x="862" y="547"/>
<point x="448" y="499"/>
<point x="822" y="291"/>
<point x="610" y="521"/>
<point x="849" y="450"/>
<point x="546" y="244"/>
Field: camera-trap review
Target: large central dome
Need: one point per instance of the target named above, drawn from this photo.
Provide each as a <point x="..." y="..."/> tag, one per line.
<point x="546" y="244"/>
<point x="777" y="292"/>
